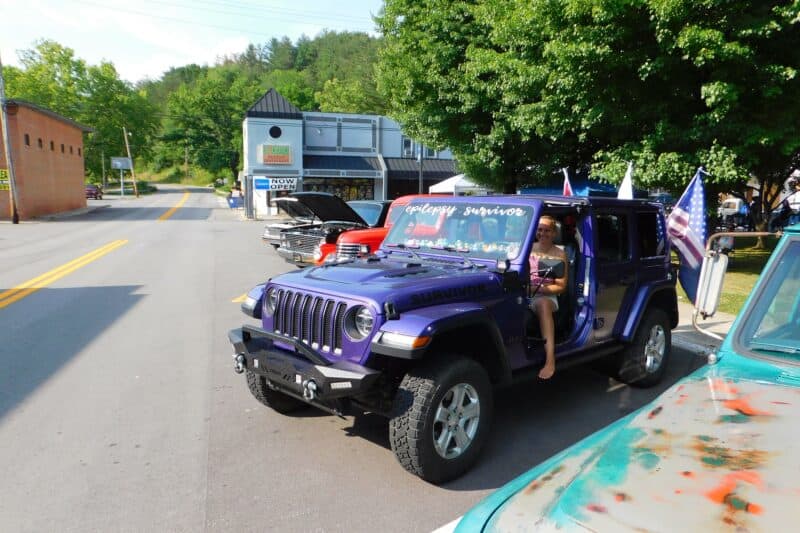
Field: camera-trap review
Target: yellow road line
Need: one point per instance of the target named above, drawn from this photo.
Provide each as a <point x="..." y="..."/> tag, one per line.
<point x="240" y="299"/>
<point x="172" y="210"/>
<point x="32" y="285"/>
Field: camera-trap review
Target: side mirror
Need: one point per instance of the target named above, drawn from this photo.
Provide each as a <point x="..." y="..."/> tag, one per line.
<point x="551" y="268"/>
<point x="709" y="287"/>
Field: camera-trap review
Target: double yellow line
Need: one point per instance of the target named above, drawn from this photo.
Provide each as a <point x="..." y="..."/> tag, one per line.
<point x="172" y="210"/>
<point x="32" y="285"/>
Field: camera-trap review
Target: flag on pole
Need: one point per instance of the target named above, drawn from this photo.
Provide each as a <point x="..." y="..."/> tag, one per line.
<point x="626" y="188"/>
<point x="686" y="229"/>
<point x="567" y="191"/>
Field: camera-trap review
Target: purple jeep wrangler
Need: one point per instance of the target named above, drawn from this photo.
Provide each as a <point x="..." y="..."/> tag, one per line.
<point x="426" y="328"/>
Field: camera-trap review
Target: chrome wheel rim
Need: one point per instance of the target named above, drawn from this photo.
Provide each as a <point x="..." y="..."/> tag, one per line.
<point x="654" y="349"/>
<point x="456" y="421"/>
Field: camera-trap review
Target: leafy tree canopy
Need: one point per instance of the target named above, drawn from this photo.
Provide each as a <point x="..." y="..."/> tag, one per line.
<point x="519" y="88"/>
<point x="52" y="77"/>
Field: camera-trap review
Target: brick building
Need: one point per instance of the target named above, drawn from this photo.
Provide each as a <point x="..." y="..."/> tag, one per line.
<point x="47" y="150"/>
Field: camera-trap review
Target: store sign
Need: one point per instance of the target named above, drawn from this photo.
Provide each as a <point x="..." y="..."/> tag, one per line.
<point x="276" y="154"/>
<point x="275" y="184"/>
<point x="5" y="183"/>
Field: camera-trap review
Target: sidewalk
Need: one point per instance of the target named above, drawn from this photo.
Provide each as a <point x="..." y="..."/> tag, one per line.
<point x="686" y="337"/>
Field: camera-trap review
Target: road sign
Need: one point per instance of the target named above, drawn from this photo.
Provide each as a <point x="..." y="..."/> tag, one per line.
<point x="121" y="163"/>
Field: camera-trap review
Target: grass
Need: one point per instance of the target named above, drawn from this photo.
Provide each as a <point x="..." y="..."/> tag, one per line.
<point x="745" y="265"/>
<point x="177" y="175"/>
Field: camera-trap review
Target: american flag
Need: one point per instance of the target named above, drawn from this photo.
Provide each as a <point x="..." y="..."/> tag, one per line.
<point x="567" y="191"/>
<point x="686" y="227"/>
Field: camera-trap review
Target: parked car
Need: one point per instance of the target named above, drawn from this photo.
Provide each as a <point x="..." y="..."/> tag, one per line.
<point x="299" y="244"/>
<point x="93" y="191"/>
<point x="363" y="242"/>
<point x="422" y="331"/>
<point x="716" y="451"/>
<point x="298" y="213"/>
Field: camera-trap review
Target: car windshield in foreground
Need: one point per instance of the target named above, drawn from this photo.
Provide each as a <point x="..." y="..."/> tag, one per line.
<point x="369" y="211"/>
<point x="772" y="323"/>
<point x="483" y="231"/>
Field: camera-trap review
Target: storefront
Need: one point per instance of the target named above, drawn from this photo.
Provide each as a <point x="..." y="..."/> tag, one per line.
<point x="355" y="157"/>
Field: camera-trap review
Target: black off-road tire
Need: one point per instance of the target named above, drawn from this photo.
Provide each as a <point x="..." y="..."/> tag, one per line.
<point x="413" y="424"/>
<point x="641" y="365"/>
<point x="271" y="398"/>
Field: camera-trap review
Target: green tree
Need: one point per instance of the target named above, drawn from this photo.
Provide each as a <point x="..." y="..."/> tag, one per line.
<point x="51" y="76"/>
<point x="208" y="114"/>
<point x="519" y="88"/>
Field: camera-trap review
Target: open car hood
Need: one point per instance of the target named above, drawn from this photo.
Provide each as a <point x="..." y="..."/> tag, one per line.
<point x="295" y="209"/>
<point x="327" y="207"/>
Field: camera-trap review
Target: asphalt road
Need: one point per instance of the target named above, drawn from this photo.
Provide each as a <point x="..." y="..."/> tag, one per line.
<point x="120" y="410"/>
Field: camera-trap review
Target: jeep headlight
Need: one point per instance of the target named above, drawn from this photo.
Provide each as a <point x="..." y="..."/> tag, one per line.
<point x="317" y="253"/>
<point x="363" y="249"/>
<point x="359" y="323"/>
<point x="271" y="300"/>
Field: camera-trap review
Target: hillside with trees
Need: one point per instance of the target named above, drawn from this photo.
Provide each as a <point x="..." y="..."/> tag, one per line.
<point x="194" y="113"/>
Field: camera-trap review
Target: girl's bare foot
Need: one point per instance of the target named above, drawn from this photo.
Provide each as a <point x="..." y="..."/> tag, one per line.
<point x="547" y="371"/>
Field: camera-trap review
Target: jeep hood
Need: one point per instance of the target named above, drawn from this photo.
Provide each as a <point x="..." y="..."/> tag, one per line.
<point x="408" y="285"/>
<point x="327" y="207"/>
<point x="716" y="451"/>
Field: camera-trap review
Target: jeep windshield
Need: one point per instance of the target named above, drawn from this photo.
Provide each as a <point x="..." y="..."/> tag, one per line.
<point x="771" y="325"/>
<point x="477" y="231"/>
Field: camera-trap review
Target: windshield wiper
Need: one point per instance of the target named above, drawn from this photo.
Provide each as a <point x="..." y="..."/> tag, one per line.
<point x="407" y="248"/>
<point x="769" y="347"/>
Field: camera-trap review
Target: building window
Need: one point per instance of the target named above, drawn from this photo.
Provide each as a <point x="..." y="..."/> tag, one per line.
<point x="39" y="142"/>
<point x="408" y="147"/>
<point x="27" y="140"/>
<point x="275" y="132"/>
<point x="62" y="148"/>
<point x="70" y="149"/>
<point x="430" y="153"/>
<point x="79" y="151"/>
<point x="52" y="146"/>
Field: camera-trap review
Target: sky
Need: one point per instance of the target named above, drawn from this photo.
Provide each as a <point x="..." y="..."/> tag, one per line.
<point x="145" y="38"/>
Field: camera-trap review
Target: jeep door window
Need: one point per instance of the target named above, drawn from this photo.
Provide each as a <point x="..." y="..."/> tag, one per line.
<point x="652" y="238"/>
<point x="481" y="231"/>
<point x="614" y="271"/>
<point x="771" y="325"/>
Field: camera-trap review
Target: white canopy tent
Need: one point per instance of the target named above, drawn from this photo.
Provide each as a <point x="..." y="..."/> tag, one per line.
<point x="457" y="185"/>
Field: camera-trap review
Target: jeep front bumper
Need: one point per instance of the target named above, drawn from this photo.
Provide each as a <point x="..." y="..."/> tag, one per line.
<point x="302" y="373"/>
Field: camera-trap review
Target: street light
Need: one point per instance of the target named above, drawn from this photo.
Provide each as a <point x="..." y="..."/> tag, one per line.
<point x="419" y="160"/>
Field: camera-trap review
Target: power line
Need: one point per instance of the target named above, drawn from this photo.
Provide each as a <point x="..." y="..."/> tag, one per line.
<point x="249" y="9"/>
<point x="239" y="30"/>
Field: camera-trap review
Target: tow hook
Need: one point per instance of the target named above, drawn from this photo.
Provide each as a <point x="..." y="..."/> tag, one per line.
<point x="309" y="390"/>
<point x="239" y="366"/>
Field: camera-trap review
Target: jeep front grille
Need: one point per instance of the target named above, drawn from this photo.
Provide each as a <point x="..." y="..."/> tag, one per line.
<point x="313" y="320"/>
<point x="347" y="251"/>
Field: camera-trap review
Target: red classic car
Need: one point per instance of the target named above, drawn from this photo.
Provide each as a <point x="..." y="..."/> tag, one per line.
<point x="361" y="242"/>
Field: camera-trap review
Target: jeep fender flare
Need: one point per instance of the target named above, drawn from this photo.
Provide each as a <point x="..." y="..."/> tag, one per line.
<point x="439" y="322"/>
<point x="662" y="296"/>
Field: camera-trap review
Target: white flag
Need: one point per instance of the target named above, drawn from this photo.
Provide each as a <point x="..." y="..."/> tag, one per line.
<point x="626" y="189"/>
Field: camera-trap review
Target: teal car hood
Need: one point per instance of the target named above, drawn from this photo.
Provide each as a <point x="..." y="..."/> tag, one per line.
<point x="717" y="450"/>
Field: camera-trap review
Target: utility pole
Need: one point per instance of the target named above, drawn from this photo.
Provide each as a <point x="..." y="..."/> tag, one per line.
<point x="186" y="161"/>
<point x="103" y="162"/>
<point x="128" y="149"/>
<point x="12" y="190"/>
